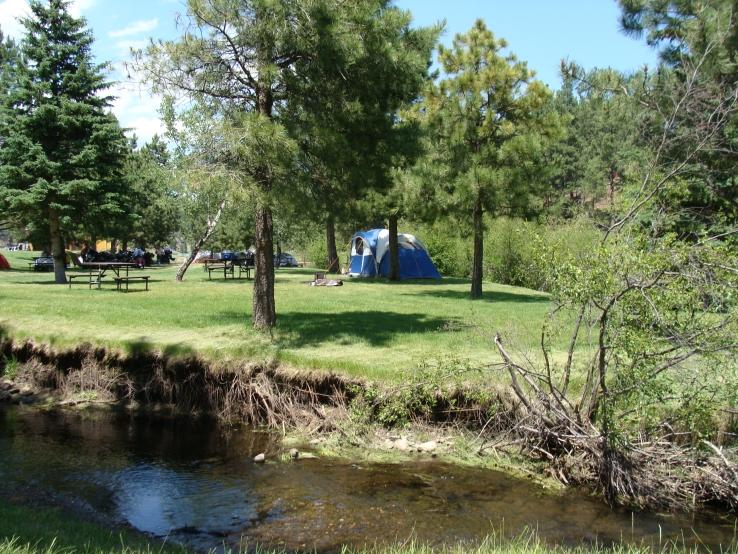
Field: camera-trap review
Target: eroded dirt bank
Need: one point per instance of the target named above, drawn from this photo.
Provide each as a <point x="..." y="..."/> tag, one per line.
<point x="477" y="425"/>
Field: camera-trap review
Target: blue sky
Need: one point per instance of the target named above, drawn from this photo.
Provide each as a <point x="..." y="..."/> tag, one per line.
<point x="541" y="32"/>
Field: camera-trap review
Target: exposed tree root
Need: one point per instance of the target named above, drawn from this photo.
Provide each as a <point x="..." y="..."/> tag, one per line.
<point x="649" y="474"/>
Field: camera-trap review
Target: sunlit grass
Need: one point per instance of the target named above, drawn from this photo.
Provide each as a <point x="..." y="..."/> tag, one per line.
<point x="372" y="329"/>
<point x="31" y="530"/>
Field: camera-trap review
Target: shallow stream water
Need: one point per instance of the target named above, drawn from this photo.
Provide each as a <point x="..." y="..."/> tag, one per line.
<point x="195" y="482"/>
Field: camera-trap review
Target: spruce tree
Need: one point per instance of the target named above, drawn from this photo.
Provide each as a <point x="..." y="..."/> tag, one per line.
<point x="62" y="152"/>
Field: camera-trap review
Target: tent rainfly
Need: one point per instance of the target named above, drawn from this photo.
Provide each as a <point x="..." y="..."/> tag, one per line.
<point x="370" y="256"/>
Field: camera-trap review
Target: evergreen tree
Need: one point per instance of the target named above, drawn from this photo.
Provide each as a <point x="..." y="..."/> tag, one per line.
<point x="603" y="140"/>
<point x="9" y="59"/>
<point x="62" y="152"/>
<point x="698" y="41"/>
<point x="488" y="126"/>
<point x="153" y="201"/>
<point x="349" y="134"/>
<point x="255" y="64"/>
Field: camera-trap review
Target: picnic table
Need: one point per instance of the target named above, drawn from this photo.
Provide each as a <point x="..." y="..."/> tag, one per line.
<point x="228" y="267"/>
<point x="98" y="270"/>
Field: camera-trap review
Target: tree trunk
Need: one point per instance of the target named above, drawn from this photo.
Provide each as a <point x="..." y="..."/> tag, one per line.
<point x="476" y="281"/>
<point x="330" y="240"/>
<point x="57" y="248"/>
<point x="394" y="250"/>
<point x="211" y="224"/>
<point x="264" y="312"/>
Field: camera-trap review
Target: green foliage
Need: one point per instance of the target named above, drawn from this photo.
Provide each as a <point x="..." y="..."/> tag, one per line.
<point x="349" y="135"/>
<point x="62" y="153"/>
<point x="667" y="327"/>
<point x="317" y="253"/>
<point x="9" y="367"/>
<point x="154" y="210"/>
<point x="698" y="44"/>
<point x="447" y="248"/>
<point x="488" y="127"/>
<point x="515" y="251"/>
<point x="603" y="147"/>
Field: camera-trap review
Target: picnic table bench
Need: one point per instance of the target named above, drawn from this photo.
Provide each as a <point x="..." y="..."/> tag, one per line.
<point x="228" y="268"/>
<point x="92" y="277"/>
<point x="120" y="281"/>
<point x="95" y="271"/>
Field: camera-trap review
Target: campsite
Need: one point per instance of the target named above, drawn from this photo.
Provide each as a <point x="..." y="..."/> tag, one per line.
<point x="378" y="276"/>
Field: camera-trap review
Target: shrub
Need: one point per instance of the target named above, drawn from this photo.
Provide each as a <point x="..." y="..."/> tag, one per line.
<point x="450" y="252"/>
<point x="317" y="253"/>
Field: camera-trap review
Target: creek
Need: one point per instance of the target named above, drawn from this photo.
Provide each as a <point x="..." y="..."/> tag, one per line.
<point x="194" y="482"/>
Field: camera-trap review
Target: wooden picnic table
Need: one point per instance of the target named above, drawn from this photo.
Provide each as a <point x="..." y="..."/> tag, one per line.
<point x="228" y="266"/>
<point x="103" y="267"/>
<point x="207" y="262"/>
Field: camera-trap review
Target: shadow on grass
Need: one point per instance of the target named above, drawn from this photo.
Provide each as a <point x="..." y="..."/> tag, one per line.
<point x="298" y="329"/>
<point x="142" y="347"/>
<point x="488" y="296"/>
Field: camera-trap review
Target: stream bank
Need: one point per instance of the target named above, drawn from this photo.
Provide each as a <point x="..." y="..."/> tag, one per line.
<point x="193" y="481"/>
<point x="332" y="414"/>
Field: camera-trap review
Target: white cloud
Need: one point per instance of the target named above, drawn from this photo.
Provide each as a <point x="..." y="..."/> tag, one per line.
<point x="142" y="26"/>
<point x="136" y="108"/>
<point x="12" y="10"/>
<point x="80" y="6"/>
<point x="126" y="45"/>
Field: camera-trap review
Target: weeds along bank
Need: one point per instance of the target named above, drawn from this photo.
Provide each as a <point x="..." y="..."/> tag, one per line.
<point x="355" y="414"/>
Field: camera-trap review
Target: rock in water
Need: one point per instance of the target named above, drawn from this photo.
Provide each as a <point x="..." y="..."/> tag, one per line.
<point x="294" y="453"/>
<point x="260" y="458"/>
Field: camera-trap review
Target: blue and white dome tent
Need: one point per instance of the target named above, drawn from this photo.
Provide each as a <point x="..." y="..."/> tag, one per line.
<point x="370" y="256"/>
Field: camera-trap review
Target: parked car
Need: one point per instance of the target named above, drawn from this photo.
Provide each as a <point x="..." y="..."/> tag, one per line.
<point x="43" y="263"/>
<point x="285" y="260"/>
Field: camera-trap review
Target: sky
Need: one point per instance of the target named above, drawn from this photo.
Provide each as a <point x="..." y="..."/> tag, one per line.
<point x="541" y="32"/>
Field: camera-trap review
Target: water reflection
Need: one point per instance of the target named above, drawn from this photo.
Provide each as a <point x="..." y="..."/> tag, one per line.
<point x="194" y="482"/>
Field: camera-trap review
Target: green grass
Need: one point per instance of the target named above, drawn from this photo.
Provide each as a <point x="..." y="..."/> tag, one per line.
<point x="372" y="329"/>
<point x="24" y="530"/>
<point x="41" y="530"/>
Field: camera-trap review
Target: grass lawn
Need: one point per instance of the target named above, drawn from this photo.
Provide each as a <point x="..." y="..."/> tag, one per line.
<point x="26" y="530"/>
<point x="373" y="329"/>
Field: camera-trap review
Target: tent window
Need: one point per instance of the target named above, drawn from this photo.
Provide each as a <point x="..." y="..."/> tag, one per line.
<point x="359" y="247"/>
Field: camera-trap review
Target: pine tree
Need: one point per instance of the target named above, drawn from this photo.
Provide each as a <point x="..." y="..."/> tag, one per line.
<point x="256" y="63"/>
<point x="488" y="127"/>
<point x="62" y="153"/>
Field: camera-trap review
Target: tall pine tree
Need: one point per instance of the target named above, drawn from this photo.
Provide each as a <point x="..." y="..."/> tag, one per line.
<point x="62" y="152"/>
<point x="488" y="127"/>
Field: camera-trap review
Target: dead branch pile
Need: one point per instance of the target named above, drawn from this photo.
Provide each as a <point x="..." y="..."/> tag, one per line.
<point x="649" y="473"/>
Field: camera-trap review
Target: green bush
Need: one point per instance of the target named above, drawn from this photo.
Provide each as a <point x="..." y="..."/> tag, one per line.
<point x="317" y="253"/>
<point x="512" y="248"/>
<point x="450" y="252"/>
<point x="509" y="254"/>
